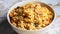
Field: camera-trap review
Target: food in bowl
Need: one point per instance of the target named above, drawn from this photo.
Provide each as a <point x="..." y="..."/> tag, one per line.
<point x="31" y="16"/>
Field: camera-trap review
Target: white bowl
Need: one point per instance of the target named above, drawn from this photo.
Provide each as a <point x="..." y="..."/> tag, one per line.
<point x="19" y="31"/>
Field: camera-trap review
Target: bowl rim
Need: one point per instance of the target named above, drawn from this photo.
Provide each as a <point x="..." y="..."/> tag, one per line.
<point x="14" y="6"/>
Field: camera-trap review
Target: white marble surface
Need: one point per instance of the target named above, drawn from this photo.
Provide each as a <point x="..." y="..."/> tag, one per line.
<point x="55" y="28"/>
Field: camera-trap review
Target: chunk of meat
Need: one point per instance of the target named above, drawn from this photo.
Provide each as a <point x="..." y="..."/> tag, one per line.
<point x="27" y="27"/>
<point x="11" y="14"/>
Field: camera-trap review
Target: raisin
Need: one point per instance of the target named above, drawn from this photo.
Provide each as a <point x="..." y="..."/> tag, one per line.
<point x="36" y="24"/>
<point x="42" y="20"/>
<point x="17" y="8"/>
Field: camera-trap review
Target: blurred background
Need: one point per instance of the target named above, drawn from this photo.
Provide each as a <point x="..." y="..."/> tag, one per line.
<point x="5" y="5"/>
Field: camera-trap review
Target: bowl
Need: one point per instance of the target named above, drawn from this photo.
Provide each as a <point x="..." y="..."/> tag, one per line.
<point x="19" y="31"/>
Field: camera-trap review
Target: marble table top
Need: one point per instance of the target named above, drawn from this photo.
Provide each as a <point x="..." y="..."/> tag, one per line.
<point x="5" y="27"/>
